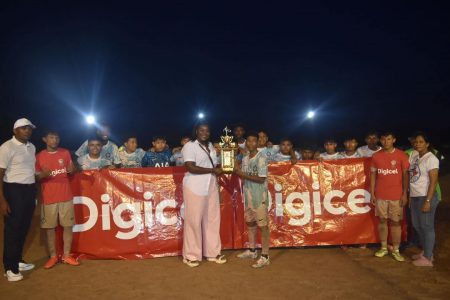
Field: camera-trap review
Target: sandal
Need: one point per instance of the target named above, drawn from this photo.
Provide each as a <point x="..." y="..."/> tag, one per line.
<point x="219" y="259"/>
<point x="191" y="263"/>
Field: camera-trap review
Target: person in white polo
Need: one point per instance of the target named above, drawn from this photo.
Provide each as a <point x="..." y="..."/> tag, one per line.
<point x="17" y="196"/>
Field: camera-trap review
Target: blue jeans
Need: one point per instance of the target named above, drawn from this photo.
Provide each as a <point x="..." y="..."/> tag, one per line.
<point x="424" y="223"/>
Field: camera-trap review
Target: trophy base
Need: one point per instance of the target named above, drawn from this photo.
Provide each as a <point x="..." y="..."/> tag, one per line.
<point x="227" y="170"/>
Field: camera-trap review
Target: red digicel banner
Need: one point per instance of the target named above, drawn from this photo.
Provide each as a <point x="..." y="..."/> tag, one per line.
<point x="138" y="213"/>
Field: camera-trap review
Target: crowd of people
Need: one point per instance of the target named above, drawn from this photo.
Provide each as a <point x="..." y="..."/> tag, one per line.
<point x="398" y="178"/>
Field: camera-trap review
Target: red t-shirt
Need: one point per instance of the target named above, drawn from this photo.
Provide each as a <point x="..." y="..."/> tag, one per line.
<point x="389" y="169"/>
<point x="56" y="187"/>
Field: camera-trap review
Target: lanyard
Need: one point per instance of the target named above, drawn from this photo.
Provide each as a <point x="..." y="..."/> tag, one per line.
<point x="208" y="153"/>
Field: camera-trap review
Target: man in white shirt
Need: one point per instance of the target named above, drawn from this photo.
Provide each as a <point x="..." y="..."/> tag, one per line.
<point x="17" y="196"/>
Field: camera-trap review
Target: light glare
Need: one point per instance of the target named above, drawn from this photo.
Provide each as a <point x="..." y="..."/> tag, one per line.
<point x="90" y="119"/>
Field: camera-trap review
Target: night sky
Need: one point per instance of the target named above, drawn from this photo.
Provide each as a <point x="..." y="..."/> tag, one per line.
<point x="149" y="69"/>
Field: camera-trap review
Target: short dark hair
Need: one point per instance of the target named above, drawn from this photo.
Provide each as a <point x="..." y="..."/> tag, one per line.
<point x="94" y="138"/>
<point x="238" y="125"/>
<point x="158" y="137"/>
<point x="387" y="133"/>
<point x="371" y="133"/>
<point x="128" y="137"/>
<point x="286" y="139"/>
<point x="52" y="131"/>
<point x="349" y="138"/>
<point x="252" y="133"/>
<point x="308" y="147"/>
<point x="330" y="140"/>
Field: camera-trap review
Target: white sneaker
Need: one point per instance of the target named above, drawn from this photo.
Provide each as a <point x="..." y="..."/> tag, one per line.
<point x="248" y="254"/>
<point x="11" y="276"/>
<point x="23" y="266"/>
<point x="191" y="263"/>
<point x="261" y="262"/>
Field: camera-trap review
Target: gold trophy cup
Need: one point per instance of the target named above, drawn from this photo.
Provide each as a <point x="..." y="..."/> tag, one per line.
<point x="227" y="151"/>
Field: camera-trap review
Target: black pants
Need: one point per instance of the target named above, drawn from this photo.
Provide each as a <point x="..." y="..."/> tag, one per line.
<point x="21" y="201"/>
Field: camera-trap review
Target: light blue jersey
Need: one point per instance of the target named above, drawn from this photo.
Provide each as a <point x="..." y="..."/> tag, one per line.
<point x="177" y="158"/>
<point x="87" y="163"/>
<point x="157" y="159"/>
<point x="109" y="152"/>
<point x="284" y="157"/>
<point x="255" y="193"/>
<point x="343" y="155"/>
<point x="270" y="152"/>
<point x="131" y="160"/>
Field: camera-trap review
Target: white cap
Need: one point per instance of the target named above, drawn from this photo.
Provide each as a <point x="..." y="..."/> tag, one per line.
<point x="23" y="122"/>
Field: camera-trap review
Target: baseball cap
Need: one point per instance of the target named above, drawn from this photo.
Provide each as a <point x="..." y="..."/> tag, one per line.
<point x="23" y="122"/>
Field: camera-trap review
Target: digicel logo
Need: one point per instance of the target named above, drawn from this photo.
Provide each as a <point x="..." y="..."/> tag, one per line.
<point x="387" y="171"/>
<point x="301" y="207"/>
<point x="57" y="172"/>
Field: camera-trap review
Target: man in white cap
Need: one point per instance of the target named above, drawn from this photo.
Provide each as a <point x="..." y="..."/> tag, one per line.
<point x="17" y="196"/>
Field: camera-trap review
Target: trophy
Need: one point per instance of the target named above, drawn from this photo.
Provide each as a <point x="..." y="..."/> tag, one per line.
<point x="227" y="151"/>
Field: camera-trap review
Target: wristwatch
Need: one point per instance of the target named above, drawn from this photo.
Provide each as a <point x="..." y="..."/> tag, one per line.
<point x="428" y="200"/>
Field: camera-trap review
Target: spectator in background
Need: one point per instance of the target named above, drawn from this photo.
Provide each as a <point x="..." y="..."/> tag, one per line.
<point x="159" y="155"/>
<point x="109" y="150"/>
<point x="371" y="146"/>
<point x="130" y="155"/>
<point x="330" y="150"/>
<point x="93" y="159"/>
<point x="177" y="156"/>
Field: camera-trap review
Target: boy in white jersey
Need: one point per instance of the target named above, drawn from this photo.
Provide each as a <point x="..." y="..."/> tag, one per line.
<point x="109" y="150"/>
<point x="239" y="133"/>
<point x="93" y="160"/>
<point x="265" y="146"/>
<point x="371" y="146"/>
<point x="130" y="155"/>
<point x="350" y="145"/>
<point x="177" y="156"/>
<point x="330" y="150"/>
<point x="287" y="152"/>
<point x="253" y="171"/>
<point x="307" y="152"/>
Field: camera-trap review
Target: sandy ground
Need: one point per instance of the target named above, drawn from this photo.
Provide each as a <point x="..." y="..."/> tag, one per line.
<point x="307" y="273"/>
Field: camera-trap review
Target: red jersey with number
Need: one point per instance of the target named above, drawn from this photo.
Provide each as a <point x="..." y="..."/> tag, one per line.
<point x="389" y="169"/>
<point x="56" y="187"/>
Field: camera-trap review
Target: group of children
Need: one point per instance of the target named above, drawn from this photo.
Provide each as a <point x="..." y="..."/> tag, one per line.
<point x="255" y="153"/>
<point x="391" y="177"/>
<point x="100" y="152"/>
